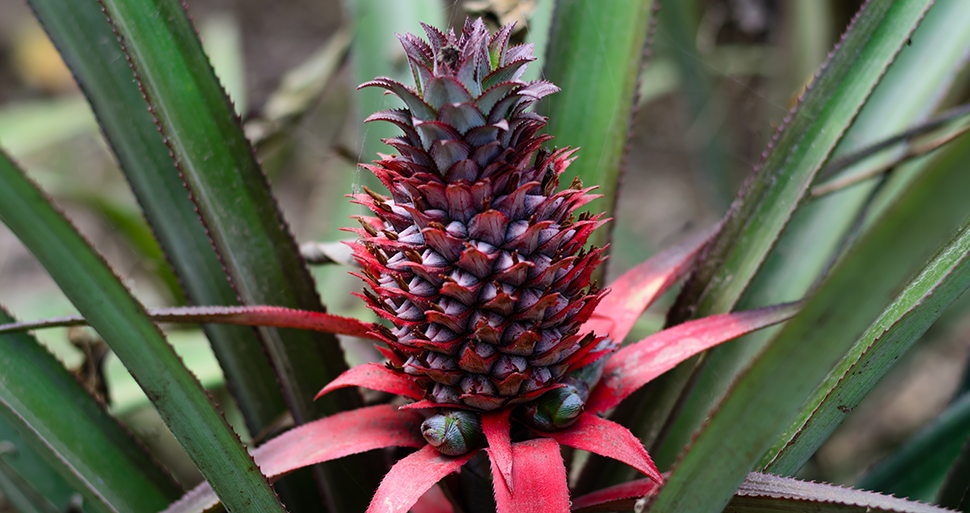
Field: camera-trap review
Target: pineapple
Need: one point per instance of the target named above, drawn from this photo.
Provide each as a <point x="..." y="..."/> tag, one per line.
<point x="477" y="259"/>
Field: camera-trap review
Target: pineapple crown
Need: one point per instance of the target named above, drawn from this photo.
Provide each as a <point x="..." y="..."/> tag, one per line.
<point x="476" y="259"/>
<point x="468" y="108"/>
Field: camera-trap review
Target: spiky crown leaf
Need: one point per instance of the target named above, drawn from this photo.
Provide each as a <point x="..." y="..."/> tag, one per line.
<point x="476" y="259"/>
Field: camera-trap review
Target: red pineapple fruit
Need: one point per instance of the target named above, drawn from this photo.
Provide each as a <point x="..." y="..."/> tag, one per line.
<point x="477" y="258"/>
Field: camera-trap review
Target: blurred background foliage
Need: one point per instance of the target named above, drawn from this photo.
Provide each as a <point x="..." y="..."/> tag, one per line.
<point x="721" y="76"/>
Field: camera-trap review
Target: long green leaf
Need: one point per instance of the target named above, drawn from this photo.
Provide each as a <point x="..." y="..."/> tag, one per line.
<point x="595" y="52"/>
<point x="18" y="461"/>
<point x="906" y="96"/>
<point x="240" y="214"/>
<point x="79" y="30"/>
<point x="768" y="202"/>
<point x="953" y="492"/>
<point x="797" y="153"/>
<point x="766" y="396"/>
<point x="229" y="189"/>
<point x="915" y="309"/>
<point x="57" y="419"/>
<point x="919" y="466"/>
<point x="121" y="321"/>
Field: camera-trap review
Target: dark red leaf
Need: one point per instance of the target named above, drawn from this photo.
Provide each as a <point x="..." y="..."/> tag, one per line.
<point x="637" y="288"/>
<point x="425" y="404"/>
<point x="326" y="439"/>
<point x="411" y="477"/>
<point x="274" y="316"/>
<point x="607" y="438"/>
<point x="631" y="490"/>
<point x="496" y="426"/>
<point x="538" y="479"/>
<point x="636" y="364"/>
<point x="375" y="377"/>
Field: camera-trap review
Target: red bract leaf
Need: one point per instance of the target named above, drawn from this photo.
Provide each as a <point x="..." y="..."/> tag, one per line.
<point x="635" y="365"/>
<point x="433" y="501"/>
<point x="326" y="439"/>
<point x="607" y="438"/>
<point x="538" y="479"/>
<point x="275" y="316"/>
<point x="375" y="377"/>
<point x="496" y="426"/>
<point x="608" y="496"/>
<point x="637" y="288"/>
<point x="425" y="404"/>
<point x="411" y="477"/>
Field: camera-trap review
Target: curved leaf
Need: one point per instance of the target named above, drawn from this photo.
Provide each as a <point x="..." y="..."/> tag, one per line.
<point x="637" y="364"/>
<point x="121" y="321"/>
<point x="538" y="479"/>
<point x="609" y="439"/>
<point x="913" y="86"/>
<point x="341" y="435"/>
<point x="411" y="477"/>
<point x="85" y="40"/>
<point x="496" y="426"/>
<point x="859" y="287"/>
<point x="375" y="377"/>
<point x="926" y="297"/>
<point x="229" y="189"/>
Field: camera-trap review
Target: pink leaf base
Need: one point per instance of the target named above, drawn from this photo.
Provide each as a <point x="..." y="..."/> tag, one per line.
<point x="538" y="479"/>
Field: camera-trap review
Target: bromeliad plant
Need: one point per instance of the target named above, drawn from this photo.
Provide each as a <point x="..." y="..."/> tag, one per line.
<point x="494" y="331"/>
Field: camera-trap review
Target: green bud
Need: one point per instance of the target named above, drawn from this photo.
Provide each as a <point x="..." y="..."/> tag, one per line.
<point x="559" y="408"/>
<point x="453" y="432"/>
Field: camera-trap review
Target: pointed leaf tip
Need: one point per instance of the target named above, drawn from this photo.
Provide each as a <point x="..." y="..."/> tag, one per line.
<point x="607" y="438"/>
<point x="375" y="377"/>
<point x="637" y="364"/>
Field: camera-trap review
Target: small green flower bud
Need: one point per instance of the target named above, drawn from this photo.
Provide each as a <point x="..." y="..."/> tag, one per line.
<point x="559" y="408"/>
<point x="453" y="432"/>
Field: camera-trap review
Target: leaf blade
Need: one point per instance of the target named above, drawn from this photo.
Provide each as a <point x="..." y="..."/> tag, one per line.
<point x="121" y="321"/>
<point x="595" y="56"/>
<point x="52" y="411"/>
<point x="808" y="346"/>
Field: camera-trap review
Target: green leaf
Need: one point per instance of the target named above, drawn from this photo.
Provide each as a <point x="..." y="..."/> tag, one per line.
<point x="860" y="286"/>
<point x="919" y="466"/>
<point x="953" y="492"/>
<point x="595" y="54"/>
<point x="912" y="312"/>
<point x="60" y="421"/>
<point x="799" y="151"/>
<point x="79" y="30"/>
<point x="121" y="321"/>
<point x="25" y="474"/>
<point x="230" y="191"/>
<point x="241" y="215"/>
<point x="772" y="203"/>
